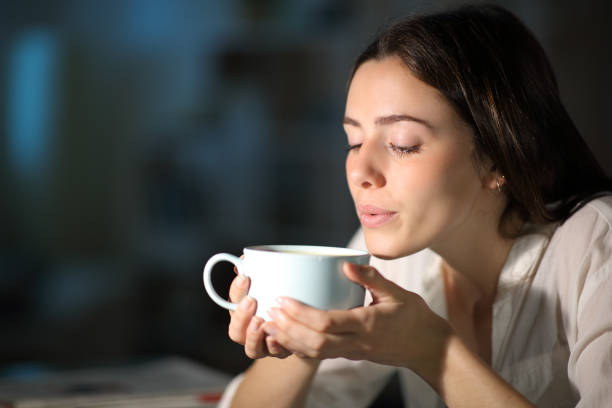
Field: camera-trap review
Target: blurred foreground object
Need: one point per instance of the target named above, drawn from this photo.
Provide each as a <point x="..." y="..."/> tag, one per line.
<point x="168" y="382"/>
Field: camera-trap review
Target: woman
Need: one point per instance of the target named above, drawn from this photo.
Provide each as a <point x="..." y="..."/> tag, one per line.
<point x="492" y="235"/>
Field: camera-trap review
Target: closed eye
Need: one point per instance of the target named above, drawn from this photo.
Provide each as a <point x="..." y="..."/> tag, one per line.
<point x="402" y="151"/>
<point x="353" y="147"/>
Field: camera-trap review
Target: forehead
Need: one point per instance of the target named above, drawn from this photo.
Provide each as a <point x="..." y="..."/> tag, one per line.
<point x="388" y="86"/>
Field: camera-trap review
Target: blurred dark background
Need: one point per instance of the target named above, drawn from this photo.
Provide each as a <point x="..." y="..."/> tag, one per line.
<point x="139" y="137"/>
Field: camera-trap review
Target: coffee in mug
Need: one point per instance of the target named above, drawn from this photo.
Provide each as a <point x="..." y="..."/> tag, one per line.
<point x="310" y="274"/>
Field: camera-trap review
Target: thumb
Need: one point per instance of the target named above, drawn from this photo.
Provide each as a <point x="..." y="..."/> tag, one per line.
<point x="381" y="289"/>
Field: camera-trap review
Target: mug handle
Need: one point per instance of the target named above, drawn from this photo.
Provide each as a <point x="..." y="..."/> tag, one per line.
<point x="208" y="282"/>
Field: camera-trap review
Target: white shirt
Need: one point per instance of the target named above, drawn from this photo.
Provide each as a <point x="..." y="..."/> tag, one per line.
<point x="552" y="320"/>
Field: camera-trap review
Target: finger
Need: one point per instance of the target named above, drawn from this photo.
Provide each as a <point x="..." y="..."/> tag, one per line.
<point x="298" y="338"/>
<point x="381" y="289"/>
<point x="327" y="321"/>
<point x="239" y="288"/>
<point x="254" y="345"/>
<point x="241" y="318"/>
<point x="275" y="349"/>
<point x="235" y="267"/>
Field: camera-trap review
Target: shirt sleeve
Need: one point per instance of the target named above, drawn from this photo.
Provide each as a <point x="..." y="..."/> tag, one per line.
<point x="230" y="391"/>
<point x="339" y="383"/>
<point x="589" y="311"/>
<point x="343" y="383"/>
<point x="590" y="363"/>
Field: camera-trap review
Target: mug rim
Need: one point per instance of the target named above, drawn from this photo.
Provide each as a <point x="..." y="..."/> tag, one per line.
<point x="317" y="250"/>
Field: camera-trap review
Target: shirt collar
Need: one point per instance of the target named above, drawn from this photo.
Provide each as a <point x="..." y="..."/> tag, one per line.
<point x="525" y="255"/>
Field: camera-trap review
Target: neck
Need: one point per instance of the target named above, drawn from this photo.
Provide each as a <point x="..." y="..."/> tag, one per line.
<point x="474" y="257"/>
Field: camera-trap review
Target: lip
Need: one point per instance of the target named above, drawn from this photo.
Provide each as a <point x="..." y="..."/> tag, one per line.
<point x="373" y="217"/>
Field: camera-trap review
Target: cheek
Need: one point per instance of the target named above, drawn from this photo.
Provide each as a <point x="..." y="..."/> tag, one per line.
<point x="440" y="186"/>
<point x="460" y="179"/>
<point x="420" y="179"/>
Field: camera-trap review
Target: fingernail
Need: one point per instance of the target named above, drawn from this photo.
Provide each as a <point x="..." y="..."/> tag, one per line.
<point x="254" y="325"/>
<point x="347" y="266"/>
<point x="241" y="280"/>
<point x="281" y="301"/>
<point x="246" y="303"/>
<point x="273" y="313"/>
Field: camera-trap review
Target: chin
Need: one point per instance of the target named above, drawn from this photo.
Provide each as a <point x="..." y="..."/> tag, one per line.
<point x="386" y="247"/>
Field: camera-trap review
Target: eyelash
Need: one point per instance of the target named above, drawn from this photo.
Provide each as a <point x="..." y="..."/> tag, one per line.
<point x="352" y="147"/>
<point x="401" y="151"/>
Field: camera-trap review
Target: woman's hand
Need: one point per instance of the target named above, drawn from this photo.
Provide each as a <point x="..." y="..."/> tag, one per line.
<point x="397" y="328"/>
<point x="245" y="328"/>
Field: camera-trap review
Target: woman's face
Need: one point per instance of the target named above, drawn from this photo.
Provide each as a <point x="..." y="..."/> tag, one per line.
<point x="410" y="165"/>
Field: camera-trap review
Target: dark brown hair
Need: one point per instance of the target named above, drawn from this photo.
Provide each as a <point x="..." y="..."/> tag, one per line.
<point x="498" y="78"/>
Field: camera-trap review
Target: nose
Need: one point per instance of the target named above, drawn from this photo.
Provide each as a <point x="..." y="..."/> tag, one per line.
<point x="364" y="168"/>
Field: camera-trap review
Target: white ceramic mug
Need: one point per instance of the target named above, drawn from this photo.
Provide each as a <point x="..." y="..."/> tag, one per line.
<point x="310" y="274"/>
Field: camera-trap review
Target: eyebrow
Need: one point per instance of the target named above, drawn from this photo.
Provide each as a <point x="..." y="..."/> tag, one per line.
<point x="389" y="119"/>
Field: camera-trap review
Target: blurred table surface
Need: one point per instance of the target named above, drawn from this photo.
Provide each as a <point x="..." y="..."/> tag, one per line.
<point x="161" y="383"/>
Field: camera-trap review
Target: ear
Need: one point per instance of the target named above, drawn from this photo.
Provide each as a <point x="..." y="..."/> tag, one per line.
<point x="493" y="179"/>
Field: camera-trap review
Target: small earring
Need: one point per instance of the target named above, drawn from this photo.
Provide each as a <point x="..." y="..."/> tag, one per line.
<point x="499" y="185"/>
